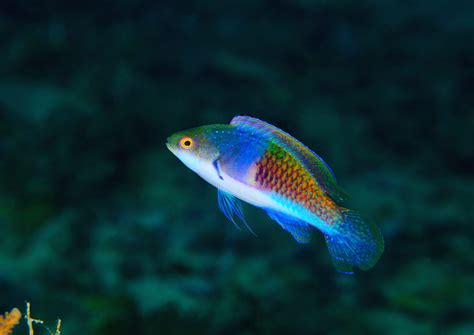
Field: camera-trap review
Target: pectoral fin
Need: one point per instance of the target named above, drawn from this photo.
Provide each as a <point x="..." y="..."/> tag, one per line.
<point x="300" y="230"/>
<point x="237" y="160"/>
<point x="215" y="163"/>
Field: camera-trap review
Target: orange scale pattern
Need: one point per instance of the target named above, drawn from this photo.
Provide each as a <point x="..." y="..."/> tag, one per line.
<point x="278" y="171"/>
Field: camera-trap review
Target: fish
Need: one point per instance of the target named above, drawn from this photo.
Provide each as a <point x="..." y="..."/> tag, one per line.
<point x="255" y="162"/>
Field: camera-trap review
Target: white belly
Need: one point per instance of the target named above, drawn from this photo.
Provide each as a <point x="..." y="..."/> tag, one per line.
<point x="238" y="189"/>
<point x="258" y="198"/>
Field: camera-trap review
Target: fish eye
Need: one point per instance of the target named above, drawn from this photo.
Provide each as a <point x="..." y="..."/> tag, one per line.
<point x="186" y="142"/>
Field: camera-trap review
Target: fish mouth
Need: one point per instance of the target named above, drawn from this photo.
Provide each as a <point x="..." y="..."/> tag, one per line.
<point x="168" y="144"/>
<point x="172" y="148"/>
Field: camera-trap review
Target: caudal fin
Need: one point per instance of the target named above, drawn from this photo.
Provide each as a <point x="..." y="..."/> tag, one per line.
<point x="354" y="243"/>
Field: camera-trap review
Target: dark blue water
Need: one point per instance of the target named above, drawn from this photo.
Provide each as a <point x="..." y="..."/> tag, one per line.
<point x="101" y="226"/>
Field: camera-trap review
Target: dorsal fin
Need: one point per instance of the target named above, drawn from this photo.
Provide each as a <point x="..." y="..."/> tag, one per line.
<point x="315" y="165"/>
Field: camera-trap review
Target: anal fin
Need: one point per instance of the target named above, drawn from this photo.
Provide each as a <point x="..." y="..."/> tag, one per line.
<point x="300" y="230"/>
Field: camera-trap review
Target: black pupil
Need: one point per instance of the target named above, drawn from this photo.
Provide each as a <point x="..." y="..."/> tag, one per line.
<point x="187" y="143"/>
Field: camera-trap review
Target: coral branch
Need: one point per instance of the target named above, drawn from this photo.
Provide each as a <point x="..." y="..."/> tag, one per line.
<point x="9" y="321"/>
<point x="30" y="320"/>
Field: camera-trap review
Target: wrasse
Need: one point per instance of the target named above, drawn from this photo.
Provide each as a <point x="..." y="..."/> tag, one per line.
<point x="262" y="165"/>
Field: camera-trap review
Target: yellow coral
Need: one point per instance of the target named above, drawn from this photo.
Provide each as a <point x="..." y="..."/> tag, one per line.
<point x="9" y="320"/>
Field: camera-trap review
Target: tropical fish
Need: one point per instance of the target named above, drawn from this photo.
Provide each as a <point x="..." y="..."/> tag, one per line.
<point x="264" y="166"/>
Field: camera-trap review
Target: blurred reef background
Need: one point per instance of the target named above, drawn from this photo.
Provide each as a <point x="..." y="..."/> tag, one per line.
<point x="103" y="227"/>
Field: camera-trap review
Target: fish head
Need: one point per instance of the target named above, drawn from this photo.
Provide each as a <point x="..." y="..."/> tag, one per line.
<point x="199" y="147"/>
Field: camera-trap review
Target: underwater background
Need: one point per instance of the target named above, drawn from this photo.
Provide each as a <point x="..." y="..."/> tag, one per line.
<point x="101" y="226"/>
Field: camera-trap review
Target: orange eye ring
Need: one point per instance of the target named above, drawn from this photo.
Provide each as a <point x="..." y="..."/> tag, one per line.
<point x="186" y="142"/>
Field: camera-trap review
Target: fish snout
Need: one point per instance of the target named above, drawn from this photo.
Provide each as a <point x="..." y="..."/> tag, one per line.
<point x="169" y="144"/>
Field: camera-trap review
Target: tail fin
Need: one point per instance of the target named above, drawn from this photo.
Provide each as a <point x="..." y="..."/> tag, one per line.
<point x="354" y="243"/>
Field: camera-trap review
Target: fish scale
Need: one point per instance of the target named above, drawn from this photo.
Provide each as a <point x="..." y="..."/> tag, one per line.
<point x="277" y="171"/>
